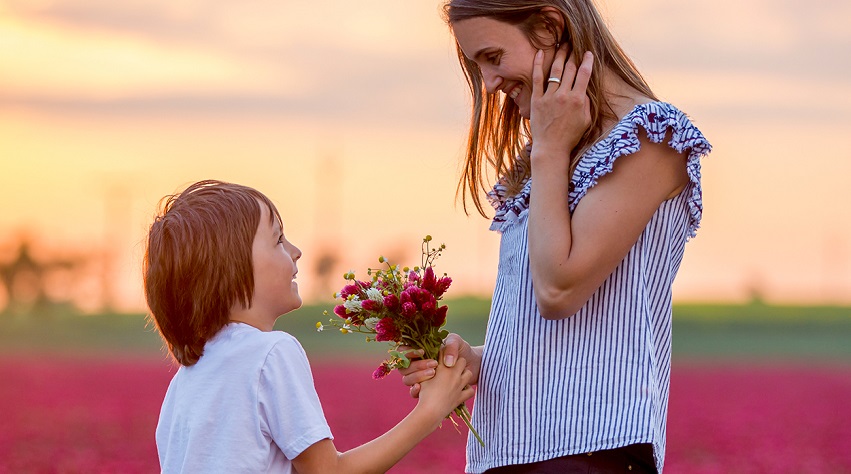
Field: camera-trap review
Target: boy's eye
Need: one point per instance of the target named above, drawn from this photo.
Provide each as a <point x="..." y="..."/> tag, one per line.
<point x="281" y="239"/>
<point x="493" y="59"/>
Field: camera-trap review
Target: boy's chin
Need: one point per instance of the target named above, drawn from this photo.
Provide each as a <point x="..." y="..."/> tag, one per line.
<point x="296" y="303"/>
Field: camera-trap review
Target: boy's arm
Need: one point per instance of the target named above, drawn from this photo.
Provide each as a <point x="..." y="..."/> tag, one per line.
<point x="438" y="397"/>
<point x="378" y="455"/>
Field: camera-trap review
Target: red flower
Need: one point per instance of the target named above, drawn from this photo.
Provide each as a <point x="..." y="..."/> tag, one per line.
<point x="370" y="305"/>
<point x="423" y="297"/>
<point x="340" y="311"/>
<point x="349" y="290"/>
<point x="407" y="296"/>
<point x="381" y="372"/>
<point x="409" y="309"/>
<point x="439" y="316"/>
<point x="441" y="286"/>
<point x="386" y="330"/>
<point x="428" y="309"/>
<point x="391" y="301"/>
<point x="428" y="280"/>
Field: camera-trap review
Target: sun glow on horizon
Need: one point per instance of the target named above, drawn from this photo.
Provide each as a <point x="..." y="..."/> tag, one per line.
<point x="354" y="126"/>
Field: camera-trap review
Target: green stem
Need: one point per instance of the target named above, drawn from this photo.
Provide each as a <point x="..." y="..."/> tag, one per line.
<point x="465" y="416"/>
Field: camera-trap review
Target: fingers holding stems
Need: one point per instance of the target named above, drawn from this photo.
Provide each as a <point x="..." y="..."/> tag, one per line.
<point x="454" y="348"/>
<point x="449" y="386"/>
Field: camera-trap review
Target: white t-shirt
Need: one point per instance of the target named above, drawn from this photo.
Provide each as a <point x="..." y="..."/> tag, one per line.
<point x="248" y="405"/>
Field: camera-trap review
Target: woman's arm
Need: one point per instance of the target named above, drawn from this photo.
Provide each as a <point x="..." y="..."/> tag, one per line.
<point x="448" y="389"/>
<point x="570" y="257"/>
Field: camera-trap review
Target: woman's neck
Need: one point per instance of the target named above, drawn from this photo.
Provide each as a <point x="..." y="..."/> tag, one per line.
<point x="620" y="97"/>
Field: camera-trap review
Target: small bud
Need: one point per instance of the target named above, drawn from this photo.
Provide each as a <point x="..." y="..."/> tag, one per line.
<point x="381" y="259"/>
<point x="344" y="330"/>
<point x="427" y="238"/>
<point x="406" y="269"/>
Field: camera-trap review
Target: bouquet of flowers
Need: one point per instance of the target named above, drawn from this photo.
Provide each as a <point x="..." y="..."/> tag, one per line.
<point x="399" y="306"/>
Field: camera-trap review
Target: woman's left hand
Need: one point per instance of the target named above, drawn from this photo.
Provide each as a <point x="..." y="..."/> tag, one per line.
<point x="561" y="109"/>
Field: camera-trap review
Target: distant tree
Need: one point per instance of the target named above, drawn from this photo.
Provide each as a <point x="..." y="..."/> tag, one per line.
<point x="25" y="278"/>
<point x="324" y="269"/>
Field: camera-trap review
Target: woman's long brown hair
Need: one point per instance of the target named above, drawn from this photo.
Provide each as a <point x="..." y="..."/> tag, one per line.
<point x="498" y="133"/>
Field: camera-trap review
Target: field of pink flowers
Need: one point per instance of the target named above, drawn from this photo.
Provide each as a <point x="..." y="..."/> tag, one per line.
<point x="70" y="415"/>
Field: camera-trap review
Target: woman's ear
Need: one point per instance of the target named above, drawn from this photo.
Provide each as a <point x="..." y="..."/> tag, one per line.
<point x="553" y="24"/>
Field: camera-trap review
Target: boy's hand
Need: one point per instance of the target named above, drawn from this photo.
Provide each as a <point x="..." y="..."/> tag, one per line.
<point x="424" y="369"/>
<point x="449" y="388"/>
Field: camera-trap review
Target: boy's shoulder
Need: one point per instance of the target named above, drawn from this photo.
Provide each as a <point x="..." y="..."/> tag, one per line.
<point x="246" y="336"/>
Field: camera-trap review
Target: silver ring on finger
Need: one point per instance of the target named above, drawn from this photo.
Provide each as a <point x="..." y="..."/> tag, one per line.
<point x="554" y="79"/>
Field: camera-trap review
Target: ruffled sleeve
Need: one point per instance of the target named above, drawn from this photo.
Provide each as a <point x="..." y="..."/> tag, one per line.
<point x="658" y="119"/>
<point x="508" y="207"/>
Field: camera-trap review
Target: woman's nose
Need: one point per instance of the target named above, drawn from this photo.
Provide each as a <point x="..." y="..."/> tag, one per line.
<point x="492" y="80"/>
<point x="295" y="253"/>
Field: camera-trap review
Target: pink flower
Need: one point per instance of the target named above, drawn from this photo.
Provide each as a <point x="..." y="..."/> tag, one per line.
<point x="391" y="301"/>
<point x="413" y="276"/>
<point x="409" y="309"/>
<point x="428" y="280"/>
<point x="370" y="305"/>
<point x="386" y="330"/>
<point x="381" y="372"/>
<point x="349" y="290"/>
<point x="442" y="286"/>
<point x="340" y="311"/>
<point x="407" y="296"/>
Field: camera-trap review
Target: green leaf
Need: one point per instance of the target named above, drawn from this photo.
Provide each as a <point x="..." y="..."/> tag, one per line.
<point x="402" y="357"/>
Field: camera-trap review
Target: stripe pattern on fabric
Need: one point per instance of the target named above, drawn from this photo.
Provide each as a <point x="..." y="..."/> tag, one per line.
<point x="599" y="379"/>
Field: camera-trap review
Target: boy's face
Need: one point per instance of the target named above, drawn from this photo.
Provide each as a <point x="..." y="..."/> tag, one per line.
<point x="275" y="288"/>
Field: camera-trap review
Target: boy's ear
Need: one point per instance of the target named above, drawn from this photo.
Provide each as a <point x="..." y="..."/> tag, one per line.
<point x="556" y="19"/>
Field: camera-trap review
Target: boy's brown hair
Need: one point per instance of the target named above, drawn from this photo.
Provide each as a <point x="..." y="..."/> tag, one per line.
<point x="198" y="262"/>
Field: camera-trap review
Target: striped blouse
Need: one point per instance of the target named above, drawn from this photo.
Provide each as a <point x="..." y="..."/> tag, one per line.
<point x="599" y="379"/>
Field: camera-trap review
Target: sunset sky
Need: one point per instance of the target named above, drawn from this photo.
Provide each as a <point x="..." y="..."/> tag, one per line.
<point x="351" y="116"/>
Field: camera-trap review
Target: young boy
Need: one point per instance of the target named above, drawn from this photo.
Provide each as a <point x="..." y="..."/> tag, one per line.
<point x="218" y="272"/>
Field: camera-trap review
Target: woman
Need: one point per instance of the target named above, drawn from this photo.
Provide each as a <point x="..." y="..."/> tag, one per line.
<point x="598" y="191"/>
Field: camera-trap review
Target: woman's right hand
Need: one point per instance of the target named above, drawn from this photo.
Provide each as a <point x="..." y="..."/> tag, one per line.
<point x="454" y="347"/>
